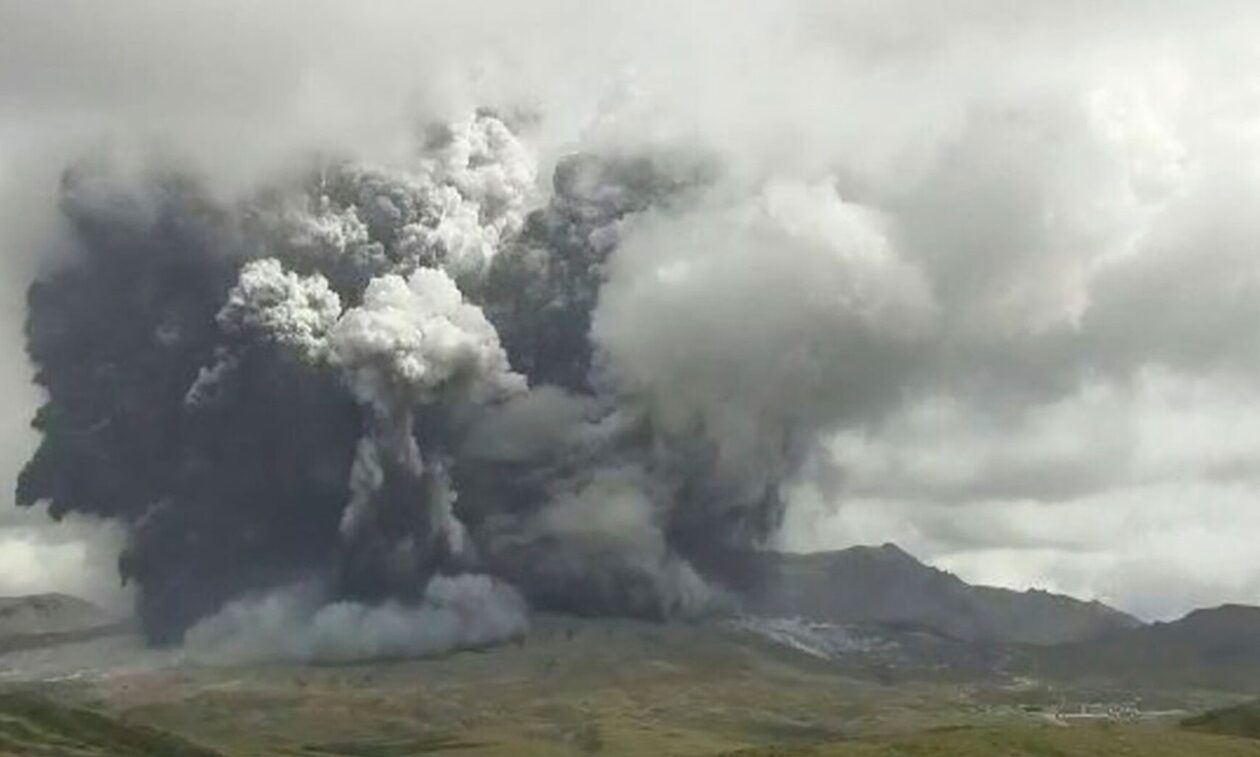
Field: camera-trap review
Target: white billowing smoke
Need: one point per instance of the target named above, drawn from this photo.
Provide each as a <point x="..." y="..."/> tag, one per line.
<point x="413" y="340"/>
<point x="762" y="320"/>
<point x="479" y="187"/>
<point x="468" y="611"/>
<point x="293" y="311"/>
<point x="452" y="208"/>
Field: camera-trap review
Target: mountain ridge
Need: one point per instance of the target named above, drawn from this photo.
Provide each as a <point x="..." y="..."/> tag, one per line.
<point x="886" y="585"/>
<point x="1209" y="647"/>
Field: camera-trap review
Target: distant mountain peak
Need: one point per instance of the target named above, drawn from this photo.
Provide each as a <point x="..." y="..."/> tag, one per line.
<point x="891" y="551"/>
<point x="1229" y="609"/>
<point x="1227" y="619"/>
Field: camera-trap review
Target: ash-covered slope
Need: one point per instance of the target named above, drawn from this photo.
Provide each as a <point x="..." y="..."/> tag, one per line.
<point x="886" y="585"/>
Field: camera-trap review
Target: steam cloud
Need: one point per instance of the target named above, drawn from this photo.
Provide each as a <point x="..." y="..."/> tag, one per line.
<point x="297" y="624"/>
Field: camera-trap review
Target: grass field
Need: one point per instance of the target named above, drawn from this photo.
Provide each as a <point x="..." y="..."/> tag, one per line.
<point x="1019" y="740"/>
<point x="31" y="725"/>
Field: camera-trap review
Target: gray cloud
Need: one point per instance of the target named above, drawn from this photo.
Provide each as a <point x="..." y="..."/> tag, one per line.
<point x="1023" y="236"/>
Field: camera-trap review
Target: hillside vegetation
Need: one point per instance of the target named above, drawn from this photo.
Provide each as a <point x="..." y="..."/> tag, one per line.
<point x="32" y="726"/>
<point x="1239" y="720"/>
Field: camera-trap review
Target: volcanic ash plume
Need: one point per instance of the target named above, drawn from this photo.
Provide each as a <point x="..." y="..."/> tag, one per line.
<point x="379" y="412"/>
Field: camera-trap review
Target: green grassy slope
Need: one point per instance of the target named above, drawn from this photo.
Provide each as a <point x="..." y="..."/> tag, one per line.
<point x="31" y="726"/>
<point x="572" y="688"/>
<point x="1240" y="720"/>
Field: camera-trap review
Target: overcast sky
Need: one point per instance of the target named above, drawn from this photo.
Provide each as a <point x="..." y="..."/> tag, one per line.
<point x="1070" y="190"/>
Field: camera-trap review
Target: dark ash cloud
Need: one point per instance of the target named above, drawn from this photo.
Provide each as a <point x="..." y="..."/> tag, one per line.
<point x="573" y="295"/>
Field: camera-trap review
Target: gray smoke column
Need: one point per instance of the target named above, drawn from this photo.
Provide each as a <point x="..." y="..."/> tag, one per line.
<point x="378" y="411"/>
<point x="411" y="344"/>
